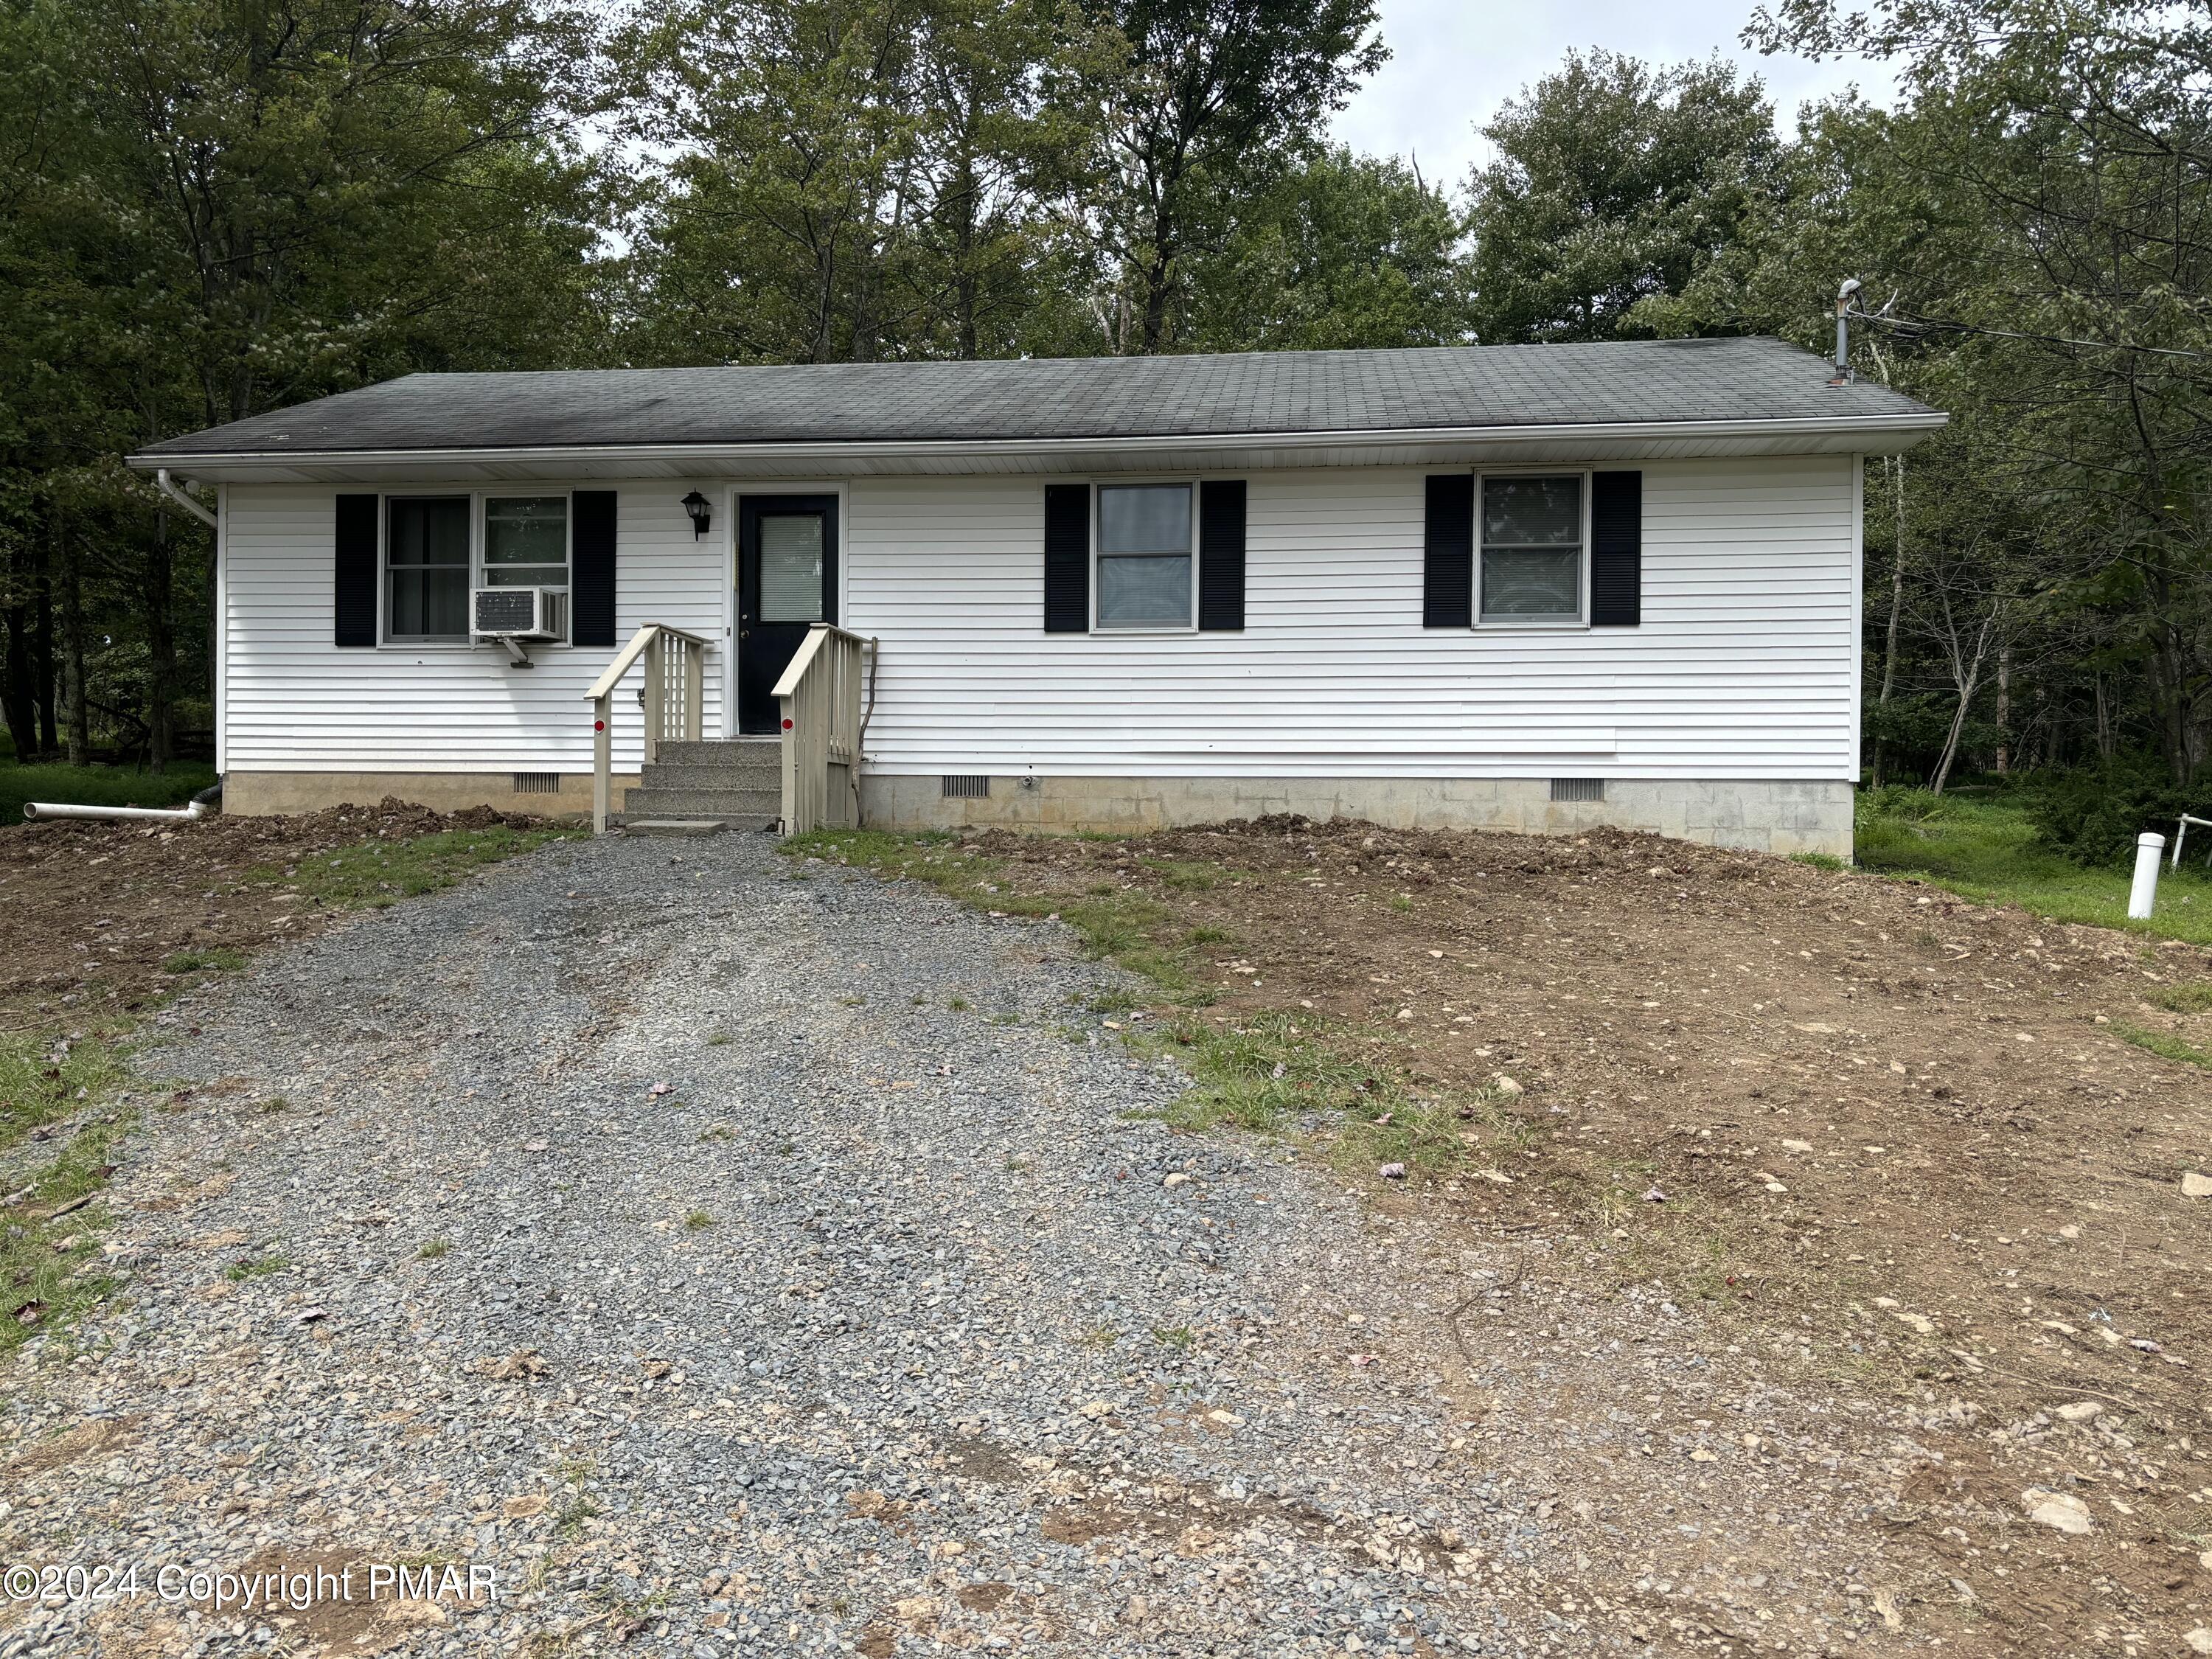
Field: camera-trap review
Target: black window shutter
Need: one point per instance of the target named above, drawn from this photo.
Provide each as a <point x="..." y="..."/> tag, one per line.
<point x="353" y="610"/>
<point x="592" y="568"/>
<point x="1448" y="553"/>
<point x="1221" y="556"/>
<point x="1067" y="558"/>
<point x="1616" y="549"/>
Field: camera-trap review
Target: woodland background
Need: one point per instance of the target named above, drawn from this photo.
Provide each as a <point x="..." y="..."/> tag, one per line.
<point x="211" y="208"/>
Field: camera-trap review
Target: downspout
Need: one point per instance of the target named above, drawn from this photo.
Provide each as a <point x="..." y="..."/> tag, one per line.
<point x="167" y="487"/>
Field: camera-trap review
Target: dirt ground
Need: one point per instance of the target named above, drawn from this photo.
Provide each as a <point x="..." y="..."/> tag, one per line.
<point x="1891" y="1144"/>
<point x="95" y="910"/>
<point x="1890" y="1137"/>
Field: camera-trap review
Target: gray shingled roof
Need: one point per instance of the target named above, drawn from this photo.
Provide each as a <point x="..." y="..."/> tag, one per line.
<point x="1255" y="394"/>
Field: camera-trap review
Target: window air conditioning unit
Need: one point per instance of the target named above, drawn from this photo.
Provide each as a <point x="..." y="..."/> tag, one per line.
<point x="518" y="613"/>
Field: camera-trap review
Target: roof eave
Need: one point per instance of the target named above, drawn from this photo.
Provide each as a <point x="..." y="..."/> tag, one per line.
<point x="1859" y="433"/>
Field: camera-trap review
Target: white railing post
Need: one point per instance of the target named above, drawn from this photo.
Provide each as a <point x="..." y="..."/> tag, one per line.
<point x="686" y="684"/>
<point x="603" y="746"/>
<point x="654" y="689"/>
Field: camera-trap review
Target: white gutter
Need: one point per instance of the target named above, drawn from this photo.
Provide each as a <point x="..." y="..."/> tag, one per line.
<point x="162" y="483"/>
<point x="703" y="456"/>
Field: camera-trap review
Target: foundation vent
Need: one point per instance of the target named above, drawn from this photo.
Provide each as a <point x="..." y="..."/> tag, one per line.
<point x="1578" y="788"/>
<point x="970" y="787"/>
<point x="537" y="783"/>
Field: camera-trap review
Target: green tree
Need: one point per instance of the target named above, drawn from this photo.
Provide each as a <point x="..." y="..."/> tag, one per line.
<point x="1214" y="98"/>
<point x="2036" y="225"/>
<point x="1340" y="252"/>
<point x="852" y="179"/>
<point x="250" y="203"/>
<point x="1614" y="183"/>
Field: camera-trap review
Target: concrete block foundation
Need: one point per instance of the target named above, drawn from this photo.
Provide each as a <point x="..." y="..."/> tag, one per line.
<point x="1759" y="815"/>
<point x="259" y="794"/>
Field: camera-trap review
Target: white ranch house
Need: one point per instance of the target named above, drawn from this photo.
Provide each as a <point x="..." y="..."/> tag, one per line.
<point x="1543" y="587"/>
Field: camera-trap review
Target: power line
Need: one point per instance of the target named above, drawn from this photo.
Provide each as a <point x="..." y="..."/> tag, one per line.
<point x="1929" y="324"/>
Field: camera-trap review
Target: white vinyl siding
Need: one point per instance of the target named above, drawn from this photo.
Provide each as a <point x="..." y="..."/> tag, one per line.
<point x="293" y="701"/>
<point x="1743" y="667"/>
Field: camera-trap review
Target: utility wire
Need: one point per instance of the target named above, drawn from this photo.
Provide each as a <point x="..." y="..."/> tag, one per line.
<point x="1927" y="325"/>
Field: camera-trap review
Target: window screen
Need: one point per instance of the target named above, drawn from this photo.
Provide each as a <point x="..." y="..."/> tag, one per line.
<point x="426" y="567"/>
<point x="1144" y="555"/>
<point x="791" y="567"/>
<point x="526" y="541"/>
<point x="1532" y="549"/>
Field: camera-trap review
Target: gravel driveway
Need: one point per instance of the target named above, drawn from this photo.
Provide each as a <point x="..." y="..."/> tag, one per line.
<point x="747" y="1258"/>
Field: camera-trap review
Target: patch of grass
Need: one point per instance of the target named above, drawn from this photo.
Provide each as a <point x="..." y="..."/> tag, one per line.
<point x="97" y="786"/>
<point x="48" y="1263"/>
<point x="1987" y="850"/>
<point x="1203" y="935"/>
<point x="256" y="1267"/>
<point x="1184" y="877"/>
<point x="2164" y="1044"/>
<point x="958" y="1005"/>
<point x="1099" y="1337"/>
<point x="432" y="1249"/>
<point x="697" y="1221"/>
<point x="217" y="958"/>
<point x="376" y="874"/>
<point x="2190" y="998"/>
<point x="44" y="1078"/>
<point x="1819" y="860"/>
<point x="717" y="1040"/>
<point x="1181" y="1338"/>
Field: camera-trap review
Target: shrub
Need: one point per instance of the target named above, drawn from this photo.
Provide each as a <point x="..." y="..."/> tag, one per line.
<point x="2092" y="815"/>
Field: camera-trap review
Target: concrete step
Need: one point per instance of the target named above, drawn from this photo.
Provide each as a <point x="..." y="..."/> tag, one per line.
<point x="700" y="775"/>
<point x="753" y="805"/>
<point x="718" y="752"/>
<point x="676" y="826"/>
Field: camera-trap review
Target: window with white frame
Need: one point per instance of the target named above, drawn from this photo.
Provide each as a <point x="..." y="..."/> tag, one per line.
<point x="426" y="567"/>
<point x="1533" y="541"/>
<point x="431" y="558"/>
<point x="526" y="541"/>
<point x="1146" y="557"/>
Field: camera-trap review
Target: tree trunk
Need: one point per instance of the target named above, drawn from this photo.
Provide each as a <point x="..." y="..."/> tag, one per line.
<point x="42" y="653"/>
<point x="2004" y="709"/>
<point x="1896" y="611"/>
<point x="160" y="648"/>
<point x="16" y="698"/>
<point x="78" y="734"/>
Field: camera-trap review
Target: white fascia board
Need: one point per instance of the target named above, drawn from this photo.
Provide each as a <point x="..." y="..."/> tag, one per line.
<point x="1433" y="445"/>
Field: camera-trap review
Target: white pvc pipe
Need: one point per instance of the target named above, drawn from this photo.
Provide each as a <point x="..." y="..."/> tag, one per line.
<point x="48" y="809"/>
<point x="2144" y="893"/>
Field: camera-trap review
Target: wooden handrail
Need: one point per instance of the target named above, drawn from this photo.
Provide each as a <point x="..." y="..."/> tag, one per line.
<point x="627" y="659"/>
<point x="803" y="658"/>
<point x="821" y="700"/>
<point x="670" y="700"/>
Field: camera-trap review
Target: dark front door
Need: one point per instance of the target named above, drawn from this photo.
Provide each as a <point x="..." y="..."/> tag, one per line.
<point x="787" y="580"/>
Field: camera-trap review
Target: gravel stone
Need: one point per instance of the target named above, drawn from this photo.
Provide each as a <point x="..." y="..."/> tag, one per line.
<point x="887" y="1323"/>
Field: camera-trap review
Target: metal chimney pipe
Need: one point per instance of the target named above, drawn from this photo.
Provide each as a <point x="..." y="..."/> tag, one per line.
<point x="1844" y="330"/>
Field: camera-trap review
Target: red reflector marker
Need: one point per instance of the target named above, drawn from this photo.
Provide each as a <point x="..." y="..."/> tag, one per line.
<point x="599" y="726"/>
<point x="786" y="725"/>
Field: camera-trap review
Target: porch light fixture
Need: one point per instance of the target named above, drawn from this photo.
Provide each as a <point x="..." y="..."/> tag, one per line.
<point x="701" y="516"/>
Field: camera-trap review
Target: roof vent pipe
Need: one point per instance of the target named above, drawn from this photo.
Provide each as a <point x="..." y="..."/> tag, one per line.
<point x="1844" y="376"/>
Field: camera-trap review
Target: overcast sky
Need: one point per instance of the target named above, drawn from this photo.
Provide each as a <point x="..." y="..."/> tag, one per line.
<point x="1453" y="62"/>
